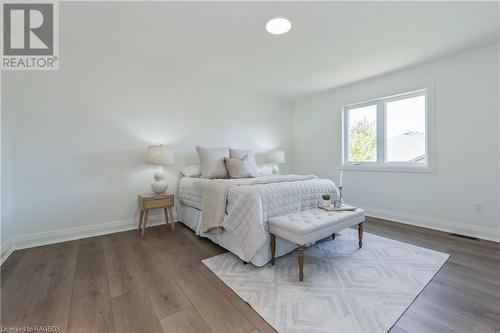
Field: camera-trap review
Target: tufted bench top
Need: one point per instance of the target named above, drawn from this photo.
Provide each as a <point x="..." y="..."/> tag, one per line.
<point x="313" y="224"/>
<point x="311" y="220"/>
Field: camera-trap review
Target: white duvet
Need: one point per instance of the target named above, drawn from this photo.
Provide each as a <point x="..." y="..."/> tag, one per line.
<point x="251" y="201"/>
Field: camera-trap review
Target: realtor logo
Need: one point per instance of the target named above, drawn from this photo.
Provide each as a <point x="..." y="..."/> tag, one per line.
<point x="30" y="36"/>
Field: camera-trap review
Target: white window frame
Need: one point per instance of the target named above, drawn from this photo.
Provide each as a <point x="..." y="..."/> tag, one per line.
<point x="381" y="164"/>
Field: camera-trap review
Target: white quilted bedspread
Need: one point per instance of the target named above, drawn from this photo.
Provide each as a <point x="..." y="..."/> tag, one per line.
<point x="250" y="202"/>
<point x="250" y="206"/>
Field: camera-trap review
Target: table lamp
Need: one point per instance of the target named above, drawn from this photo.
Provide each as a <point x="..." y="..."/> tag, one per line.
<point x="159" y="155"/>
<point x="276" y="157"/>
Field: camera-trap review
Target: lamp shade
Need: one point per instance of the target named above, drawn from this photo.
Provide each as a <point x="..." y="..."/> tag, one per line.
<point x="159" y="154"/>
<point x="276" y="156"/>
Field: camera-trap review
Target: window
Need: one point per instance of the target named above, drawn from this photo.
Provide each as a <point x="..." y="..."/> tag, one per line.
<point x="363" y="134"/>
<point x="388" y="133"/>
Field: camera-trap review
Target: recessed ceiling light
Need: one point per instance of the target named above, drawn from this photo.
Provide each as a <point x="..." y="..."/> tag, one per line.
<point x="278" y="25"/>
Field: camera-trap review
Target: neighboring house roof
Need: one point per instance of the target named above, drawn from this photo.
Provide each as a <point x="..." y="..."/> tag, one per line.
<point x="407" y="147"/>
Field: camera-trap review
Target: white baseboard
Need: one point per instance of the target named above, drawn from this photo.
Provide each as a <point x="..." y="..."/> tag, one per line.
<point x="481" y="232"/>
<point x="67" y="234"/>
<point x="7" y="249"/>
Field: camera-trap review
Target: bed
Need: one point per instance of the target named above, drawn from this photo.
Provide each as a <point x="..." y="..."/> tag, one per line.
<point x="248" y="203"/>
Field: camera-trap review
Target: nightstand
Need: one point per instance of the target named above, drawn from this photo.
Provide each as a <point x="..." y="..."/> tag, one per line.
<point x="149" y="201"/>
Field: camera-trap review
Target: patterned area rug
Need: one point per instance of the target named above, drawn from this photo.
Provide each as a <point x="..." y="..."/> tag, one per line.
<point x="345" y="289"/>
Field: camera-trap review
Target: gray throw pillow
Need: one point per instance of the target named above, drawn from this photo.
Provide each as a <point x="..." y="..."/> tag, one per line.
<point x="240" y="153"/>
<point x="240" y="168"/>
<point x="212" y="162"/>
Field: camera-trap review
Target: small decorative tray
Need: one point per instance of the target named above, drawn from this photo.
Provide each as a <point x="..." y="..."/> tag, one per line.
<point x="332" y="208"/>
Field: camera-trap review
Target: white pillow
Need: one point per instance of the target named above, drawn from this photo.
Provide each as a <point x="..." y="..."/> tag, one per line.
<point x="191" y="170"/>
<point x="212" y="162"/>
<point x="239" y="168"/>
<point x="265" y="170"/>
<point x="240" y="153"/>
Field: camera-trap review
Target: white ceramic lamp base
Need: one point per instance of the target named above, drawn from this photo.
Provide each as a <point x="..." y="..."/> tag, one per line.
<point x="276" y="169"/>
<point x="160" y="185"/>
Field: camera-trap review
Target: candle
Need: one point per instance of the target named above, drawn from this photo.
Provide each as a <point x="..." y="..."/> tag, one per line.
<point x="341" y="176"/>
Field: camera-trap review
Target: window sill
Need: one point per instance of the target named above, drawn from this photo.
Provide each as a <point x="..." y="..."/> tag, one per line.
<point x="388" y="168"/>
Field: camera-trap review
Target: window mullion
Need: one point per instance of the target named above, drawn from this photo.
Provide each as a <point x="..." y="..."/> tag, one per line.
<point x="380" y="132"/>
<point x="345" y="141"/>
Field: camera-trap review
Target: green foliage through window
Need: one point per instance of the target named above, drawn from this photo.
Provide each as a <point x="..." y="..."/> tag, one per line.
<point x="363" y="141"/>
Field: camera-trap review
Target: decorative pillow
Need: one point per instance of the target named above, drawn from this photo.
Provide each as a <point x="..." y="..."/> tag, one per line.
<point x="239" y="168"/>
<point x="240" y="153"/>
<point x="212" y="162"/>
<point x="191" y="171"/>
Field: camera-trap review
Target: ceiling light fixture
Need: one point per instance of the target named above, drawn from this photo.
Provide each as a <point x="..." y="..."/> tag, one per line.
<point x="278" y="25"/>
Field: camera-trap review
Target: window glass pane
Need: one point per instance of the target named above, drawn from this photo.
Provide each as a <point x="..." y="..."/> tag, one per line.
<point x="405" y="130"/>
<point x="362" y="139"/>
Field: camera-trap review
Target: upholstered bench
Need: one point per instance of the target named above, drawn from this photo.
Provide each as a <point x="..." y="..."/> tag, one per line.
<point x="312" y="225"/>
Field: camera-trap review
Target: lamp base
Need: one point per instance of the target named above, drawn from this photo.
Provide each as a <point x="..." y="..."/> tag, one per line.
<point x="159" y="187"/>
<point x="276" y="170"/>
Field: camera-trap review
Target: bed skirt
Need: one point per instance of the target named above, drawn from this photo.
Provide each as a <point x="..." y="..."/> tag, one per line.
<point x="191" y="217"/>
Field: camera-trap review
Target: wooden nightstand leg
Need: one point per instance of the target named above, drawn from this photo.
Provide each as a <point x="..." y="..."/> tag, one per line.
<point x="139" y="228"/>
<point x="167" y="220"/>
<point x="146" y="212"/>
<point x="171" y="217"/>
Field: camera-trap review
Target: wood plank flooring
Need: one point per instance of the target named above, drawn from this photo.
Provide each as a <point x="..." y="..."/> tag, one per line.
<point x="122" y="283"/>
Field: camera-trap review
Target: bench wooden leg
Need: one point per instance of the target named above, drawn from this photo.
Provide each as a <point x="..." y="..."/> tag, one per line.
<point x="273" y="249"/>
<point x="360" y="235"/>
<point x="301" y="262"/>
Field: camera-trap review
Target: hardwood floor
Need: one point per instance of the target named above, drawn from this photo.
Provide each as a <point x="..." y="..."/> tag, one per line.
<point x="122" y="283"/>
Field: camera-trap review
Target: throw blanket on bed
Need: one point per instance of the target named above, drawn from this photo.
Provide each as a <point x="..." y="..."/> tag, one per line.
<point x="250" y="201"/>
<point x="214" y="205"/>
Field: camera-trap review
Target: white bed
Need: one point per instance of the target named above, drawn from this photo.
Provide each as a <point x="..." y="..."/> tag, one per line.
<point x="280" y="196"/>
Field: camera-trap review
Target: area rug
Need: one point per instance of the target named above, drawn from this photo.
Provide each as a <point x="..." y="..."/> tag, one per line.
<point x="345" y="289"/>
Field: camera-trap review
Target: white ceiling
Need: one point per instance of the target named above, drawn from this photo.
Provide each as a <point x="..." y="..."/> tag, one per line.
<point x="330" y="44"/>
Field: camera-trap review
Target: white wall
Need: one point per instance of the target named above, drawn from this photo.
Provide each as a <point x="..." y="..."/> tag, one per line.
<point x="466" y="89"/>
<point x="73" y="140"/>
